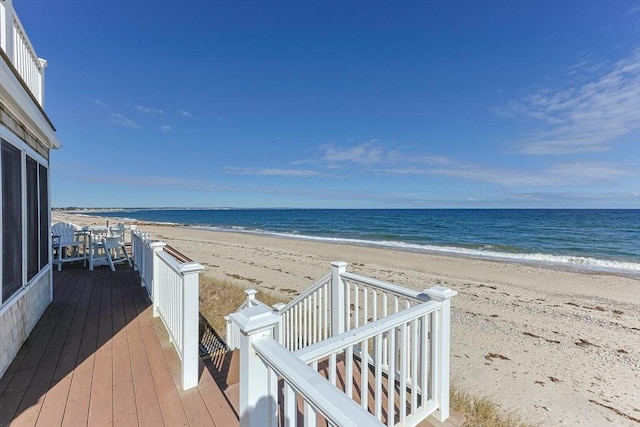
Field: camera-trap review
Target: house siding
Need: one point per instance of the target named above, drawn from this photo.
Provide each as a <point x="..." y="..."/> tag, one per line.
<point x="20" y="316"/>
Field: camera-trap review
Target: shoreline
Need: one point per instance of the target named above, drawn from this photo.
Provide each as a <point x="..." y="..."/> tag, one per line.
<point x="570" y="340"/>
<point x="532" y="259"/>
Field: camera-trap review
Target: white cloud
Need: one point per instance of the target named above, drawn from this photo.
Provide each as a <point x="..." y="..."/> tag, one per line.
<point x="184" y="113"/>
<point x="300" y="173"/>
<point x="585" y="117"/>
<point x="150" y="110"/>
<point x="123" y="121"/>
<point x="369" y="153"/>
<point x="166" y="128"/>
<point x="149" y="182"/>
<point x="576" y="174"/>
<point x="633" y="10"/>
<point x="100" y="103"/>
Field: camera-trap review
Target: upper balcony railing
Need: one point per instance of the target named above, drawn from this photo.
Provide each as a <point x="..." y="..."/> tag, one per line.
<point x="17" y="47"/>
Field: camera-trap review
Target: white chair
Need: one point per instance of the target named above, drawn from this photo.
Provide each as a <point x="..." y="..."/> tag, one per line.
<point x="69" y="243"/>
<point x="112" y="246"/>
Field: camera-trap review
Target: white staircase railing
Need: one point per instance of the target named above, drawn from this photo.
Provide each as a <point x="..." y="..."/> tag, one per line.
<point x="340" y="302"/>
<point x="306" y="397"/>
<point x="173" y="288"/>
<point x="399" y="339"/>
<point x="392" y="353"/>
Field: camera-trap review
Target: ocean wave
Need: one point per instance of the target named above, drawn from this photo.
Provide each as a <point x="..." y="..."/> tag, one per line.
<point x="484" y="252"/>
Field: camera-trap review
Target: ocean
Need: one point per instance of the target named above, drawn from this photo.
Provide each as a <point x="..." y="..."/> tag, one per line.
<point x="605" y="240"/>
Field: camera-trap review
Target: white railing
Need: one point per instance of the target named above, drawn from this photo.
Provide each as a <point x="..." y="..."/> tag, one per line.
<point x="306" y="398"/>
<point x="392" y="353"/>
<point x="173" y="287"/>
<point x="16" y="44"/>
<point x="339" y="302"/>
<point x="307" y="318"/>
<point x="399" y="340"/>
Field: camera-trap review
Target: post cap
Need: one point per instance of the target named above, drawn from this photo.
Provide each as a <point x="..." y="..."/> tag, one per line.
<point x="440" y="293"/>
<point x="254" y="319"/>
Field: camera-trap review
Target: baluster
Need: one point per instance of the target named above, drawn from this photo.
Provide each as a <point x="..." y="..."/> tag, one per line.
<point x="425" y="362"/>
<point x="385" y="305"/>
<point x="332" y="368"/>
<point x="378" y="375"/>
<point x="305" y="323"/>
<point x="414" y="365"/>
<point x="365" y="306"/>
<point x="348" y="363"/>
<point x="404" y="371"/>
<point x="391" y="378"/>
<point x="375" y="304"/>
<point x="364" y="374"/>
<point x="296" y="329"/>
<point x="314" y="317"/>
<point x="310" y="416"/>
<point x="347" y="306"/>
<point x="290" y="410"/>
<point x="356" y="311"/>
<point x="327" y="331"/>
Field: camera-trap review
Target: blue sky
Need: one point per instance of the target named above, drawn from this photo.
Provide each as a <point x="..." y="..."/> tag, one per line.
<point x="363" y="104"/>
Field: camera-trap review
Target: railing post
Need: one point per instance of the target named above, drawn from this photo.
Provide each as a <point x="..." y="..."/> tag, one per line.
<point x="155" y="247"/>
<point x="280" y="329"/>
<point x="337" y="298"/>
<point x="258" y="384"/>
<point x="190" y="323"/>
<point x="251" y="296"/>
<point x="6" y="28"/>
<point x="441" y="346"/>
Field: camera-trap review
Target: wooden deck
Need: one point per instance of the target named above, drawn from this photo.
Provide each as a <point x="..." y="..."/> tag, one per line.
<point x="98" y="358"/>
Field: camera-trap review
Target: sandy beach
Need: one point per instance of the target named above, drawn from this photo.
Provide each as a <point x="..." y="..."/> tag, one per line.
<point x="559" y="347"/>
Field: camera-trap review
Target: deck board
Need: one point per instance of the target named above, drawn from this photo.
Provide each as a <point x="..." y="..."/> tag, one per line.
<point x="98" y="358"/>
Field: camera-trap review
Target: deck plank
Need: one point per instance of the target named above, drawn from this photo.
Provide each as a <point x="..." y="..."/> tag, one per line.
<point x="123" y="391"/>
<point x="146" y="399"/>
<point x="101" y="399"/>
<point x="77" y="412"/>
<point x="170" y="405"/>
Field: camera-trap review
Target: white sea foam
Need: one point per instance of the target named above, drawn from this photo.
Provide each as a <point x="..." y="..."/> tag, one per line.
<point x="565" y="261"/>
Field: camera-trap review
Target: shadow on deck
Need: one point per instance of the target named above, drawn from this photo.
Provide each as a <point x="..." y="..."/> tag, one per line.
<point x="97" y="357"/>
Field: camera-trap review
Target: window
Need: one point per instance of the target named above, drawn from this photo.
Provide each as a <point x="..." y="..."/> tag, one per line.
<point x="24" y="186"/>
<point x="33" y="252"/>
<point x="11" y="220"/>
<point x="44" y="216"/>
<point x="37" y="218"/>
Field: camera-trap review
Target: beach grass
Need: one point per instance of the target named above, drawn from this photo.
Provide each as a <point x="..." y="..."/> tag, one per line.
<point x="219" y="298"/>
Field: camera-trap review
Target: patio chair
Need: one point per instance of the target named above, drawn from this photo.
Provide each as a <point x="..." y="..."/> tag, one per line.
<point x="112" y="246"/>
<point x="68" y="243"/>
